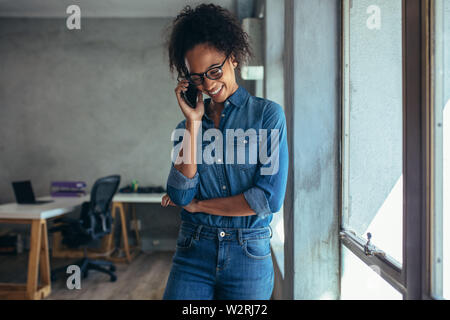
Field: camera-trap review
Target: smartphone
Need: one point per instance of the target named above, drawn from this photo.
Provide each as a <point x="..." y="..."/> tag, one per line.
<point x="190" y="96"/>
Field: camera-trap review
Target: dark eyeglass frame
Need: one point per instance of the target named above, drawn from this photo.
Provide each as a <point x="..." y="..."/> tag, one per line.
<point x="205" y="74"/>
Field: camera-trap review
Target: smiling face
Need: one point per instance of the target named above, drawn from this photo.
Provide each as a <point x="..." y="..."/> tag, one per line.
<point x="203" y="57"/>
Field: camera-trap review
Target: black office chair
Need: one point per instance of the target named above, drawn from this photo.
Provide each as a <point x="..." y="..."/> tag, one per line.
<point x="95" y="222"/>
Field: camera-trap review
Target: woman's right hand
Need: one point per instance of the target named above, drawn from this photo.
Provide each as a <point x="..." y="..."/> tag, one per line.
<point x="165" y="201"/>
<point x="191" y="114"/>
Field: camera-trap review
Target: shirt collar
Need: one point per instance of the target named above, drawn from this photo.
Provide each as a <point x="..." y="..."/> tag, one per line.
<point x="238" y="99"/>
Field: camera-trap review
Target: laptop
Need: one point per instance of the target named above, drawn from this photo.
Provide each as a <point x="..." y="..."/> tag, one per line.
<point x="24" y="193"/>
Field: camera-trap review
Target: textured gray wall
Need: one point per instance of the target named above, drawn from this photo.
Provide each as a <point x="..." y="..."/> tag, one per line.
<point x="82" y="104"/>
<point x="101" y="8"/>
<point x="311" y="207"/>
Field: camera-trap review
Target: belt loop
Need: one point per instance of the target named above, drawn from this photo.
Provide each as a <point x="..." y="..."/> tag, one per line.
<point x="197" y="232"/>
<point x="241" y="241"/>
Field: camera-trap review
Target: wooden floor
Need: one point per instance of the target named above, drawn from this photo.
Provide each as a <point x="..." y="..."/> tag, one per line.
<point x="144" y="278"/>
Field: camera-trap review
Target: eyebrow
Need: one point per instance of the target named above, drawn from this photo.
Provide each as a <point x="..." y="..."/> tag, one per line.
<point x="214" y="64"/>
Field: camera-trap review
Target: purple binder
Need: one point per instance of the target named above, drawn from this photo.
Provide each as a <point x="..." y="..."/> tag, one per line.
<point x="69" y="184"/>
<point x="68" y="194"/>
<point x="68" y="188"/>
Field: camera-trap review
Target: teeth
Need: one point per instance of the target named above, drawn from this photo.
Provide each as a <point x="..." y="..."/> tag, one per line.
<point x="216" y="92"/>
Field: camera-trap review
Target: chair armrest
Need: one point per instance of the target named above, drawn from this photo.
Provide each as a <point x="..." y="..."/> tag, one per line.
<point x="65" y="220"/>
<point x="62" y="223"/>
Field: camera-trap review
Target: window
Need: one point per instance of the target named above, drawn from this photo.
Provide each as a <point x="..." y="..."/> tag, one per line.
<point x="373" y="123"/>
<point x="360" y="281"/>
<point x="372" y="142"/>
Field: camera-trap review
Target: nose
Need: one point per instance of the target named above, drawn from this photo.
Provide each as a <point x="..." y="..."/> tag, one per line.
<point x="208" y="84"/>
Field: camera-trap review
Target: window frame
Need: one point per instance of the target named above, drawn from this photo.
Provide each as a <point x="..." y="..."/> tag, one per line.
<point x="436" y="158"/>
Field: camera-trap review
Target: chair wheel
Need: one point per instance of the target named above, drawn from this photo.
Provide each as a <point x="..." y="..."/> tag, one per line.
<point x="113" y="278"/>
<point x="112" y="268"/>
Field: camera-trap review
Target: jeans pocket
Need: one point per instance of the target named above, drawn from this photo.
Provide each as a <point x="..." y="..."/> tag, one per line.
<point x="184" y="240"/>
<point x="257" y="248"/>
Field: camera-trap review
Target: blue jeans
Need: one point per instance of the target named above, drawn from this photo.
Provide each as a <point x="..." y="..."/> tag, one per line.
<point x="221" y="263"/>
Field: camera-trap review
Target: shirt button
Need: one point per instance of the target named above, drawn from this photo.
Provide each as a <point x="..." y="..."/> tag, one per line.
<point x="222" y="234"/>
<point x="219" y="160"/>
<point x="223" y="115"/>
<point x="224" y="187"/>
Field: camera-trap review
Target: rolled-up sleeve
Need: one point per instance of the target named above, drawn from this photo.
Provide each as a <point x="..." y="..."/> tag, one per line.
<point x="181" y="189"/>
<point x="266" y="196"/>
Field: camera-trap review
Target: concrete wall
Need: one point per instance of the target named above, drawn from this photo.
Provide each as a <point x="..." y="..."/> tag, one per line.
<point x="101" y="8"/>
<point x="82" y="104"/>
<point x="312" y="95"/>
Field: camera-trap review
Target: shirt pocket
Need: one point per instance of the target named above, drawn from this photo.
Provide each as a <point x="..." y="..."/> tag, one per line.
<point x="205" y="168"/>
<point x="247" y="154"/>
<point x="202" y="168"/>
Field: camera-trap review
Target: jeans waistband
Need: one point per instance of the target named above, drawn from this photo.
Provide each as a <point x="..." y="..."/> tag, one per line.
<point x="240" y="234"/>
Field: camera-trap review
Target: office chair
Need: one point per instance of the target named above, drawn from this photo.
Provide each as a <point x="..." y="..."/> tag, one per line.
<point x="95" y="222"/>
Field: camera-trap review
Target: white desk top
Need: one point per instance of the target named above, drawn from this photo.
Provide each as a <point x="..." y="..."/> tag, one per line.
<point x="58" y="207"/>
<point x="62" y="205"/>
<point x="138" y="197"/>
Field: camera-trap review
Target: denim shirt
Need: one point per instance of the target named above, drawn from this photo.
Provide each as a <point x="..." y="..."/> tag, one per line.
<point x="223" y="178"/>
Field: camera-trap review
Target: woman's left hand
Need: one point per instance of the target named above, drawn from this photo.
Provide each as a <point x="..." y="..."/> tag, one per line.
<point x="192" y="206"/>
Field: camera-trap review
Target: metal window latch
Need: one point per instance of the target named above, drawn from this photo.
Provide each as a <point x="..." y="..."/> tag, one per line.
<point x="370" y="249"/>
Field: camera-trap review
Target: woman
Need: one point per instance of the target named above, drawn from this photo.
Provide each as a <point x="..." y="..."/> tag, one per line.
<point x="223" y="247"/>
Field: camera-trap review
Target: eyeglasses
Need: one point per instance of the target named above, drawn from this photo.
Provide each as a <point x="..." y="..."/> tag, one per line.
<point x="213" y="73"/>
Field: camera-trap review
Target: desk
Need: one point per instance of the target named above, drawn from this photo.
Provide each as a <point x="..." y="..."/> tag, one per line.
<point x="118" y="202"/>
<point x="38" y="258"/>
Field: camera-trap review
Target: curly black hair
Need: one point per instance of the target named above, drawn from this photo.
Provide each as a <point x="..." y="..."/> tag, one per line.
<point x="210" y="24"/>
